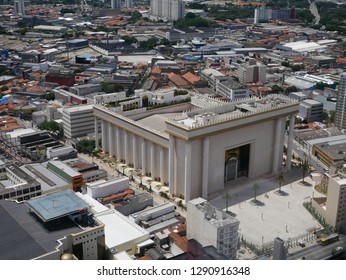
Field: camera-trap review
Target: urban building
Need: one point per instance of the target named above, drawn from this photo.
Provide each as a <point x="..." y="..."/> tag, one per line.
<point x="19" y="7"/>
<point x="64" y="171"/>
<point x="17" y="185"/>
<point x="211" y="226"/>
<point x="68" y="97"/>
<point x="77" y="43"/>
<point x="78" y="121"/>
<point x="167" y="9"/>
<point x="212" y="77"/>
<point x="252" y="72"/>
<point x="105" y="188"/>
<point x="224" y="140"/>
<point x="333" y="207"/>
<point x="311" y="110"/>
<point x="280" y="251"/>
<point x="63" y="77"/>
<point x="116" y="4"/>
<point x="83" y="90"/>
<point x="340" y="113"/>
<point x="263" y="14"/>
<point x="330" y="150"/>
<point x="232" y="89"/>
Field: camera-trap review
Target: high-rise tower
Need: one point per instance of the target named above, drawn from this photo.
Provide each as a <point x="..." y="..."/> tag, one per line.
<point x="340" y="113"/>
<point x="115" y="4"/>
<point x="19" y="7"/>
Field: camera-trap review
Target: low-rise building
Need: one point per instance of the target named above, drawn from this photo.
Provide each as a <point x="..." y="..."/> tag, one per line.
<point x="232" y="89"/>
<point x="311" y="110"/>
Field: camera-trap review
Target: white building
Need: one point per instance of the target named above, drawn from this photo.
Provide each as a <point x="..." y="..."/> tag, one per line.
<point x="340" y="114"/>
<point x="167" y="9"/>
<point x="333" y="207"/>
<point x="212" y="77"/>
<point x="211" y="226"/>
<point x="105" y="188"/>
<point x="232" y="89"/>
<point x="311" y="110"/>
<point x="199" y="146"/>
<point x="252" y="73"/>
<point x="78" y="121"/>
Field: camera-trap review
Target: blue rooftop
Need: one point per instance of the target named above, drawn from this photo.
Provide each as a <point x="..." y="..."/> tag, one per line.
<point x="56" y="205"/>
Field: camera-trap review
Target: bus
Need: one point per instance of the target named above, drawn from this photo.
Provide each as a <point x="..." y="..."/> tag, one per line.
<point x="328" y="239"/>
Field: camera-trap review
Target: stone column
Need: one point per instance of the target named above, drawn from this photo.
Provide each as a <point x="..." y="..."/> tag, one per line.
<point x="290" y="142"/>
<point x="126" y="147"/>
<point x="152" y="160"/>
<point x="187" y="178"/>
<point x="96" y="134"/>
<point x="277" y="142"/>
<point x="118" y="132"/>
<point x="110" y="139"/>
<point x="115" y="142"/>
<point x="134" y="151"/>
<point x="205" y="174"/>
<point x="171" y="162"/>
<point x="162" y="164"/>
<point x="143" y="157"/>
<point x="104" y="135"/>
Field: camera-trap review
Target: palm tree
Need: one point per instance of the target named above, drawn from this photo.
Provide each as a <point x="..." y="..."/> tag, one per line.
<point x="227" y="197"/>
<point x="123" y="167"/>
<point x="280" y="178"/>
<point x="305" y="167"/>
<point x="255" y="188"/>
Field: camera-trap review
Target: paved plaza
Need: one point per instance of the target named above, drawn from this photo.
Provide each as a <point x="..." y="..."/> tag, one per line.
<point x="281" y="216"/>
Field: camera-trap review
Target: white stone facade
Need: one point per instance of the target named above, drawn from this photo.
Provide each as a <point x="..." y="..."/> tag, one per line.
<point x="189" y="152"/>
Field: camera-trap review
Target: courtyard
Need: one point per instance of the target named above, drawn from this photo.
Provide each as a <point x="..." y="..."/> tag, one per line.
<point x="275" y="215"/>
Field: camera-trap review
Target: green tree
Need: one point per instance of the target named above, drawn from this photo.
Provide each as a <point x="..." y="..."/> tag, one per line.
<point x="50" y="126"/>
<point x="86" y="146"/>
<point x="320" y="85"/>
<point x="285" y="63"/>
<point x="150" y="43"/>
<point x="110" y="88"/>
<point x="280" y="178"/>
<point x="50" y="96"/>
<point x="291" y="89"/>
<point x="227" y="197"/>
<point x="332" y="116"/>
<point x="129" y="39"/>
<point x="4" y="88"/>
<point x="255" y="188"/>
<point x="164" y="42"/>
<point x="190" y="15"/>
<point x="297" y="67"/>
<point x="2" y="30"/>
<point x="277" y="89"/>
<point x="135" y="16"/>
<point x="305" y="167"/>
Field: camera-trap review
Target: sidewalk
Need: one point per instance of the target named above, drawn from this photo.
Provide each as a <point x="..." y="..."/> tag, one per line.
<point x="116" y="169"/>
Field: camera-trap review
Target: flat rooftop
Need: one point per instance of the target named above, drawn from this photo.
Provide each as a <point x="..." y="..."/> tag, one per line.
<point x="56" y="205"/>
<point x="48" y="180"/>
<point x="222" y="112"/>
<point x="23" y="237"/>
<point x="119" y="230"/>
